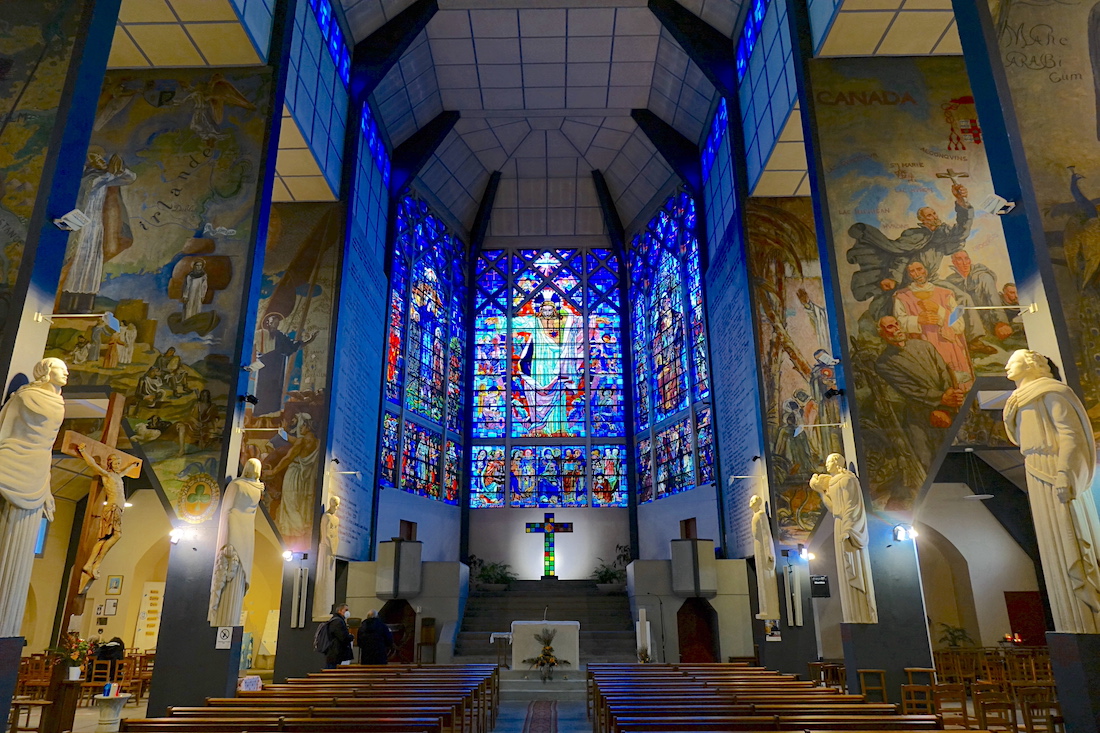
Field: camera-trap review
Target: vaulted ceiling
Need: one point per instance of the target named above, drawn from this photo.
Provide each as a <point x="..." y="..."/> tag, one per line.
<point x="545" y="89"/>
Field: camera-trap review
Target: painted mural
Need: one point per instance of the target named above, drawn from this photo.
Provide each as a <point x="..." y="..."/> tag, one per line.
<point x="286" y="425"/>
<point x="904" y="167"/>
<point x="1051" y="51"/>
<point x="170" y="186"/>
<point x="797" y="363"/>
<point x="36" y="42"/>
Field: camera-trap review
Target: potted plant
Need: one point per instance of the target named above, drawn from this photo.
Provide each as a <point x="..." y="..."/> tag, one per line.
<point x="72" y="652"/>
<point x="495" y="576"/>
<point x="954" y="636"/>
<point x="611" y="577"/>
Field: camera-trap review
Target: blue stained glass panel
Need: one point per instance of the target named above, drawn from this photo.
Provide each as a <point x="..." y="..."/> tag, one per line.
<point x="487" y="475"/>
<point x="420" y="451"/>
<point x="704" y="432"/>
<point x="608" y="464"/>
<point x="645" y="471"/>
<point x="675" y="459"/>
<point x="548" y="476"/>
<point x="387" y="468"/>
<point x="451" y="462"/>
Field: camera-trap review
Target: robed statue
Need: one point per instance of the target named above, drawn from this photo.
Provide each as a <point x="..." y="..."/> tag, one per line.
<point x="28" y="428"/>
<point x="842" y="495"/>
<point x="1047" y="420"/>
<point x="236" y="546"/>
<point x="767" y="582"/>
<point x="324" y="590"/>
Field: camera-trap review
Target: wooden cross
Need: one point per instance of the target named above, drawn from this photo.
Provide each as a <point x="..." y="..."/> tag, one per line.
<point x="89" y="533"/>
<point x="548" y="528"/>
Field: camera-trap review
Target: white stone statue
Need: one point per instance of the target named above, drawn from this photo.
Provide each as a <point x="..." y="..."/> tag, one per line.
<point x="767" y="583"/>
<point x="843" y="497"/>
<point x="1047" y="420"/>
<point x="324" y="590"/>
<point x="28" y="428"/>
<point x="236" y="546"/>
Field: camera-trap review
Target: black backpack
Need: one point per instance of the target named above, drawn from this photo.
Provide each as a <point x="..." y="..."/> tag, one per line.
<point x="322" y="638"/>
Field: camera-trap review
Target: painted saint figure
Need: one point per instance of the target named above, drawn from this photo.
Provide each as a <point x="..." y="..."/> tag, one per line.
<point x="29" y="422"/>
<point x="106" y="234"/>
<point x="236" y="546"/>
<point x="1047" y="420"/>
<point x="195" y="287"/>
<point x="767" y="582"/>
<point x="924" y="310"/>
<point x="299" y="470"/>
<point x="275" y="349"/>
<point x="549" y="364"/>
<point x="841" y="493"/>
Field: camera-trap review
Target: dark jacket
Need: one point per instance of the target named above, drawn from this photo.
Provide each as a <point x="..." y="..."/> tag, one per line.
<point x="340" y="648"/>
<point x="374" y="640"/>
<point x="113" y="651"/>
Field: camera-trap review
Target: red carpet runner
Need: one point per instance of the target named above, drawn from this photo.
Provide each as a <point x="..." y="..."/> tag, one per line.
<point x="542" y="717"/>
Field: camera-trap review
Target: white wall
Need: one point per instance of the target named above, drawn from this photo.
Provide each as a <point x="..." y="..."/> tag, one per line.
<point x="438" y="525"/>
<point x="499" y="535"/>
<point x="649" y="584"/>
<point x="659" y="521"/>
<point x="996" y="563"/>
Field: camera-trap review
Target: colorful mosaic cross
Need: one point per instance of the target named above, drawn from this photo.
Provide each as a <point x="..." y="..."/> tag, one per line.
<point x="548" y="528"/>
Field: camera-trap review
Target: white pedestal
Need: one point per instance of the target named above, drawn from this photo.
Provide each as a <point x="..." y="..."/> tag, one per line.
<point x="110" y="711"/>
<point x="566" y="642"/>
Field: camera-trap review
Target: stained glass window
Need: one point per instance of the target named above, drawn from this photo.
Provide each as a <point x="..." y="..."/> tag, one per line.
<point x="420" y="452"/>
<point x="671" y="377"/>
<point x="487" y="477"/>
<point x="608" y="475"/>
<point x="548" y="375"/>
<point x="424" y="357"/>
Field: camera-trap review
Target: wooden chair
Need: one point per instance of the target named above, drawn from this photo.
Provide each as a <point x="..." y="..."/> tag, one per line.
<point x="925" y="675"/>
<point x="24" y="705"/>
<point x="872" y="681"/>
<point x="997" y="715"/>
<point x="1043" y="717"/>
<point x="37" y="679"/>
<point x="949" y="702"/>
<point x="916" y="700"/>
<point x="832" y="675"/>
<point x="817" y="673"/>
<point x="99" y="674"/>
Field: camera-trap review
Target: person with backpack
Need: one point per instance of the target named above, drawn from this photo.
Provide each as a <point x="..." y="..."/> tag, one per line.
<point x="333" y="638"/>
<point x="373" y="639"/>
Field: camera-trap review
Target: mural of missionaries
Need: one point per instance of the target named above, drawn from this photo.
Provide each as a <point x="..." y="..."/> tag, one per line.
<point x="195" y="287"/>
<point x="979" y="282"/>
<point x="275" y="349"/>
<point x="883" y="261"/>
<point x="299" y="471"/>
<point x="929" y="395"/>
<point x="201" y="426"/>
<point x="924" y="311"/>
<point x="819" y="318"/>
<point x="97" y="336"/>
<point x="129" y="334"/>
<point x="106" y="235"/>
<point x="823" y="379"/>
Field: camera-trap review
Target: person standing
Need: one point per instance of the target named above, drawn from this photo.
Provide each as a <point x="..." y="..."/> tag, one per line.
<point x="339" y="648"/>
<point x="373" y="639"/>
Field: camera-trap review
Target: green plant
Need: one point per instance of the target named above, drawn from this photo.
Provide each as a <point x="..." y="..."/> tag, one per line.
<point x="954" y="635"/>
<point x="614" y="572"/>
<point x="496" y="573"/>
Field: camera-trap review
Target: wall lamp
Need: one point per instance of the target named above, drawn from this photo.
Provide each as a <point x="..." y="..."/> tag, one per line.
<point x="289" y="555"/>
<point x="904" y="532"/>
<point x="804" y="552"/>
<point x="182" y="533"/>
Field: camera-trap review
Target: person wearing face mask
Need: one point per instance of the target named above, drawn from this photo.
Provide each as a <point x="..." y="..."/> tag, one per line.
<point x="339" y="650"/>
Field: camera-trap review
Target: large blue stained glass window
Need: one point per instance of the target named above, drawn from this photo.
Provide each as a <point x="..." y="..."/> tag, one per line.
<point x="424" y="357"/>
<point x="548" y="376"/>
<point x="671" y="376"/>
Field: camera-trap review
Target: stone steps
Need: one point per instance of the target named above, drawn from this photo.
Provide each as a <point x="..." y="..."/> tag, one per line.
<point x="606" y="635"/>
<point x="567" y="685"/>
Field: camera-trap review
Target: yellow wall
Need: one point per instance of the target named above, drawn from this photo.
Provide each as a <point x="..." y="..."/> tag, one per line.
<point x="46" y="580"/>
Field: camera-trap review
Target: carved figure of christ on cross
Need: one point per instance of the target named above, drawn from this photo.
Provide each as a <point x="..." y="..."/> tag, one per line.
<point x="548" y="528"/>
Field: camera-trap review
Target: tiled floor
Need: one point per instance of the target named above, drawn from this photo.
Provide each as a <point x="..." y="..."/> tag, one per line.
<point x="87" y="717"/>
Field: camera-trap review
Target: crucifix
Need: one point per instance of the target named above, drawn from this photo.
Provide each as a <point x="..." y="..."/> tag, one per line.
<point x="102" y="524"/>
<point x="548" y="528"/>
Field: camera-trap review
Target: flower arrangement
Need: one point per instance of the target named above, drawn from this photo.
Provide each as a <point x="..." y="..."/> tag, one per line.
<point x="546" y="660"/>
<point x="643" y="655"/>
<point x="72" y="651"/>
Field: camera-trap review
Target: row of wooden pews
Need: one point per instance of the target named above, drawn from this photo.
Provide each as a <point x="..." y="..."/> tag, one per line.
<point x="458" y="698"/>
<point x="668" y="698"/>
